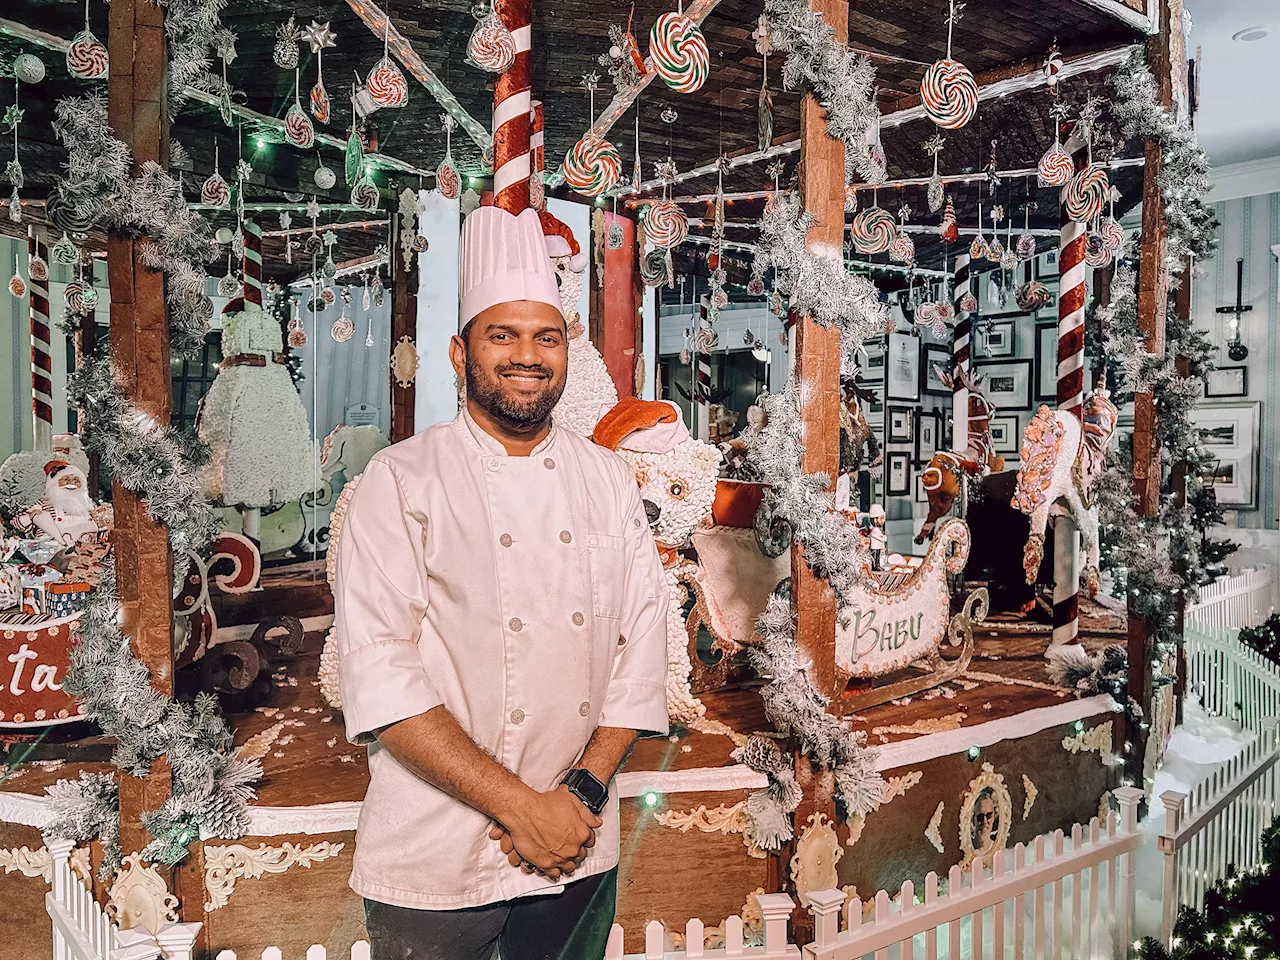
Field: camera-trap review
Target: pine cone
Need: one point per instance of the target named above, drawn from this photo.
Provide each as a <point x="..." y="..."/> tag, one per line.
<point x="761" y="754"/>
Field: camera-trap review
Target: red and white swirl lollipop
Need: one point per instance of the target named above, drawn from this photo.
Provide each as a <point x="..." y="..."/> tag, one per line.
<point x="448" y="182"/>
<point x="1112" y="234"/>
<point x="215" y="191"/>
<point x="873" y="230"/>
<point x="298" y="128"/>
<point x="679" y="52"/>
<point x="1096" y="252"/>
<point x="666" y="224"/>
<point x="949" y="94"/>
<point x="902" y="248"/>
<point x="342" y="329"/>
<point x="592" y="166"/>
<point x="1086" y="194"/>
<point x="365" y="195"/>
<point x="86" y="57"/>
<point x="1055" y="167"/>
<point x="978" y="248"/>
<point x="491" y="47"/>
<point x="386" y="85"/>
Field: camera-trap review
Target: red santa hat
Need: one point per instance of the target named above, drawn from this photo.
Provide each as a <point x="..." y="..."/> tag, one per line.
<point x="645" y="426"/>
<point x="561" y="241"/>
<point x="54" y="467"/>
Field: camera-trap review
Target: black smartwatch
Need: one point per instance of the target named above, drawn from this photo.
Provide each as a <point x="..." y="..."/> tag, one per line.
<point x="584" y="785"/>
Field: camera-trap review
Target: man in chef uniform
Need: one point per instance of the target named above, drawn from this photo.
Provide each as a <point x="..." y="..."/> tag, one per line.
<point x="500" y="612"/>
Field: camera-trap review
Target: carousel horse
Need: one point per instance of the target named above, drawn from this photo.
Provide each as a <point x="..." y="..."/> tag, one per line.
<point x="943" y="478"/>
<point x="1061" y="459"/>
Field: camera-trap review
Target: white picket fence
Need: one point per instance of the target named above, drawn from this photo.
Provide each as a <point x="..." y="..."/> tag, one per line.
<point x="1219" y="825"/>
<point x="776" y="908"/>
<point x="1230" y="679"/>
<point x="1242" y="600"/>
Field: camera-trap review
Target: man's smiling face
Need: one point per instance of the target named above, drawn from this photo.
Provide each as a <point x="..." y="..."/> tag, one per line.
<point x="515" y="357"/>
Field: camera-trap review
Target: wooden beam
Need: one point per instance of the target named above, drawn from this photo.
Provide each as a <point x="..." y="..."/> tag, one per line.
<point x="404" y="323"/>
<point x="817" y="370"/>
<point x="1153" y="299"/>
<point x="1124" y="13"/>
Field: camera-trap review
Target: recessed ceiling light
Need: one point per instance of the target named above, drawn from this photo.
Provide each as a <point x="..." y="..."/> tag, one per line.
<point x="1252" y="34"/>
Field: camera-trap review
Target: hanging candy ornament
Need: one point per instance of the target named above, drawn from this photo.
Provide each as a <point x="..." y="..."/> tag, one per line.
<point x="73" y="296"/>
<point x="353" y="162"/>
<point x="666" y="224"/>
<point x="385" y="83"/>
<point x="1112" y="234"/>
<point x="1053" y="67"/>
<point x="949" y="228"/>
<point x="616" y="236"/>
<point x="86" y="57"/>
<point x="873" y="230"/>
<point x="968" y="302"/>
<point x="320" y="102"/>
<point x="328" y="296"/>
<point x="945" y="312"/>
<point x="365" y="195"/>
<point x="592" y="166"/>
<point x="978" y="246"/>
<point x="324" y="178"/>
<point x="64" y="251"/>
<point x="37" y="269"/>
<point x="378" y="290"/>
<point x="755" y="286"/>
<point x="285" y="54"/>
<point x="995" y="249"/>
<point x="679" y="52"/>
<point x="297" y="125"/>
<point x="935" y="193"/>
<point x="1032" y="295"/>
<point x="215" y="191"/>
<point x="949" y="94"/>
<point x="653" y="268"/>
<point x="366" y="299"/>
<point x="28" y="68"/>
<point x="297" y="338"/>
<point x="342" y="329"/>
<point x="448" y="182"/>
<point x="491" y="47"/>
<point x="902" y="249"/>
<point x="1055" y="167"/>
<point x="1026" y="245"/>
<point x="1086" y="194"/>
<point x="67" y="216"/>
<point x="1096" y="253"/>
<point x="228" y="285"/>
<point x="17" y="286"/>
<point x="368" y="332"/>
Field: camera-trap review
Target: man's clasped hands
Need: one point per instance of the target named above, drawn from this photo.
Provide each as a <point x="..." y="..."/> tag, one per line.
<point x="550" y="833"/>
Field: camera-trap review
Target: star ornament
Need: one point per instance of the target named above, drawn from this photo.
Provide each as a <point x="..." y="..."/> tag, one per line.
<point x="13" y="116"/>
<point x="319" y="36"/>
<point x="933" y="146"/>
<point x="313" y="209"/>
<point x="244" y="170"/>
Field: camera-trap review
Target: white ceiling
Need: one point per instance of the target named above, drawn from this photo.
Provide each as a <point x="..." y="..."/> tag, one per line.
<point x="1239" y="108"/>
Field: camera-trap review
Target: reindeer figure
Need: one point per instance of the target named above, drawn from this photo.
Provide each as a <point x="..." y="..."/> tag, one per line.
<point x="857" y="438"/>
<point x="1061" y="458"/>
<point x="943" y="477"/>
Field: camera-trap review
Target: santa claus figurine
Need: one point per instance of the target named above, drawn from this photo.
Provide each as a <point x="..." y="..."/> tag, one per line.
<point x="65" y="513"/>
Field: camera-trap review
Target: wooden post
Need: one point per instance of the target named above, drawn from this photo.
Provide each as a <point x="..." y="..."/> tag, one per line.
<point x="1182" y="300"/>
<point x="140" y="358"/>
<point x="817" y="370"/>
<point x="1153" y="297"/>
<point x="404" y="323"/>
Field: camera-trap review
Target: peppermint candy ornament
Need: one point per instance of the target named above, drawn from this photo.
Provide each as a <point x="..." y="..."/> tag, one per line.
<point x="978" y="248"/>
<point x="342" y="329"/>
<point x="1086" y="194"/>
<point x="1026" y="245"/>
<point x="386" y="85"/>
<point x="666" y="224"/>
<point x="968" y="303"/>
<point x="298" y="128"/>
<point x="66" y="215"/>
<point x="1008" y="260"/>
<point x="64" y="251"/>
<point x="37" y="269"/>
<point x="320" y="102"/>
<point x="873" y="230"/>
<point x="86" y="57"/>
<point x="653" y="268"/>
<point x="945" y="311"/>
<point x="491" y="47"/>
<point x="949" y="94"/>
<point x="592" y="166"/>
<point x="1096" y="252"/>
<point x="73" y="296"/>
<point x="365" y="195"/>
<point x="1055" y="167"/>
<point x="902" y="248"/>
<point x="679" y="52"/>
<point x="328" y="296"/>
<point x="1112" y="234"/>
<point x="755" y="286"/>
<point x="297" y="338"/>
<point x="448" y="182"/>
<point x="1032" y="295"/>
<point x="17" y="286"/>
<point x="215" y="191"/>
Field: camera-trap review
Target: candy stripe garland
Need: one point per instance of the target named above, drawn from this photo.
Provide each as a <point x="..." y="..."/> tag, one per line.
<point x="511" y="105"/>
<point x="960" y="356"/>
<point x="41" y="353"/>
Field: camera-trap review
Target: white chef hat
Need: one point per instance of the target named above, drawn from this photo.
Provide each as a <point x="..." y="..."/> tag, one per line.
<point x="503" y="258"/>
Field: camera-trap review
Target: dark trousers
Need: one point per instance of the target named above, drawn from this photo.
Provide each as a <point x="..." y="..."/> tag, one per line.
<point x="573" y="925"/>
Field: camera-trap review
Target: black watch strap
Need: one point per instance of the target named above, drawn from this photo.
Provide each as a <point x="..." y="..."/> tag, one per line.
<point x="587" y="787"/>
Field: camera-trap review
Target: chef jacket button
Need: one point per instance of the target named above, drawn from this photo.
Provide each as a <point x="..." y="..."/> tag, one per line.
<point x="584" y="708"/>
<point x="578" y="619"/>
<point x="494" y="466"/>
<point x="566" y="536"/>
<point x="549" y="463"/>
<point x="635" y="521"/>
<point x="515" y="625"/>
<point x="505" y="539"/>
<point x="517" y="716"/>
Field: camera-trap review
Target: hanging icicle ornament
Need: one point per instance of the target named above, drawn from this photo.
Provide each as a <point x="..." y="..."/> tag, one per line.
<point x="368" y="332"/>
<point x="936" y="194"/>
<point x="286" y="221"/>
<point x="297" y="125"/>
<point x="225" y="109"/>
<point x="764" y="104"/>
<point x="86" y="56"/>
<point x="285" y="53"/>
<point x="948" y="91"/>
<point x="949" y="227"/>
<point x="385" y="83"/>
<point x="215" y="191"/>
<point x="492" y="47"/>
<point x="448" y="182"/>
<point x="637" y="171"/>
<point x="679" y="52"/>
<point x="593" y="165"/>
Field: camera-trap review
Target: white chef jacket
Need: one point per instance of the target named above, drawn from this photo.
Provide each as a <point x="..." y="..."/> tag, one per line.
<point x="525" y="594"/>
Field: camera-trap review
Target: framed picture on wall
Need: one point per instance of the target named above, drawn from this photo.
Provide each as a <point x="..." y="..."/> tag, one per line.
<point x="873" y="364"/>
<point x="1047" y="265"/>
<point x="928" y="434"/>
<point x="898" y="474"/>
<point x="900" y="423"/>
<point x="1227" y="382"/>
<point x="922" y="495"/>
<point x="1230" y="431"/>
<point x="1005" y="435"/>
<point x="1007" y="384"/>
<point x="993" y="339"/>
<point x="1047" y="362"/>
<point x="936" y="357"/>
<point x="1050" y="308"/>
<point x="902" y="367"/>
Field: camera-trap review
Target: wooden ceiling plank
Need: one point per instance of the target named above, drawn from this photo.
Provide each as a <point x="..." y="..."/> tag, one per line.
<point x="1125" y="14"/>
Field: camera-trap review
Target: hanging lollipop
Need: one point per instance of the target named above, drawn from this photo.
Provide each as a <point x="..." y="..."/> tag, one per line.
<point x="935" y="194"/>
<point x="342" y="329"/>
<point x="215" y="191"/>
<point x="491" y="47"/>
<point x="385" y="83"/>
<point x="666" y="225"/>
<point x="37" y="268"/>
<point x="902" y="249"/>
<point x="1026" y="239"/>
<point x="653" y="268"/>
<point x="297" y="125"/>
<point x="1056" y="167"/>
<point x="873" y="229"/>
<point x="448" y="182"/>
<point x="1032" y="295"/>
<point x="368" y="332"/>
<point x="949" y="227"/>
<point x="17" y="286"/>
<point x="1096" y="253"/>
<point x="64" y="251"/>
<point x="948" y="91"/>
<point x="353" y="160"/>
<point x="285" y="54"/>
<point x="679" y="52"/>
<point x="1110" y="230"/>
<point x="365" y="195"/>
<point x="978" y="246"/>
<point x="86" y="56"/>
<point x="319" y="37"/>
<point x="1086" y="194"/>
<point x="593" y="165"/>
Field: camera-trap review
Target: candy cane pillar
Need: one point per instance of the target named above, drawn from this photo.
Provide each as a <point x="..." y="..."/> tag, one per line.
<point x="960" y="353"/>
<point x="1071" y="301"/>
<point x="41" y="349"/>
<point x="702" y="372"/>
<point x="537" y="192"/>
<point x="511" y="108"/>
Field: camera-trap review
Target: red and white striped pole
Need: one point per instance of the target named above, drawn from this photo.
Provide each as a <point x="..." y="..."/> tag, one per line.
<point x="960" y="357"/>
<point x="537" y="192"/>
<point x="512" y="104"/>
<point x="702" y="371"/>
<point x="1072" y="242"/>
<point x="41" y="344"/>
<point x="251" y="287"/>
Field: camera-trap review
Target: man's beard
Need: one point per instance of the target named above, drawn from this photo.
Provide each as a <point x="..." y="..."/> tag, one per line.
<point x="69" y="503"/>
<point x="514" y="412"/>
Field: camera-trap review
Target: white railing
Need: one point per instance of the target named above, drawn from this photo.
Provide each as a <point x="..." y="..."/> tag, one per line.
<point x="359" y="951"/>
<point x="1219" y="825"/>
<point x="1230" y="679"/>
<point x="1242" y="600"/>
<point x="1080" y="903"/>
<point x="776" y="909"/>
<point x="83" y="931"/>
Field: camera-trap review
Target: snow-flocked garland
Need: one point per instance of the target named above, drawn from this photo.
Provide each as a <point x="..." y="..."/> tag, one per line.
<point x="210" y="787"/>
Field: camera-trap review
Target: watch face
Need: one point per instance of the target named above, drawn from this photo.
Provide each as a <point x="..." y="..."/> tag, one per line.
<point x="590" y="791"/>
